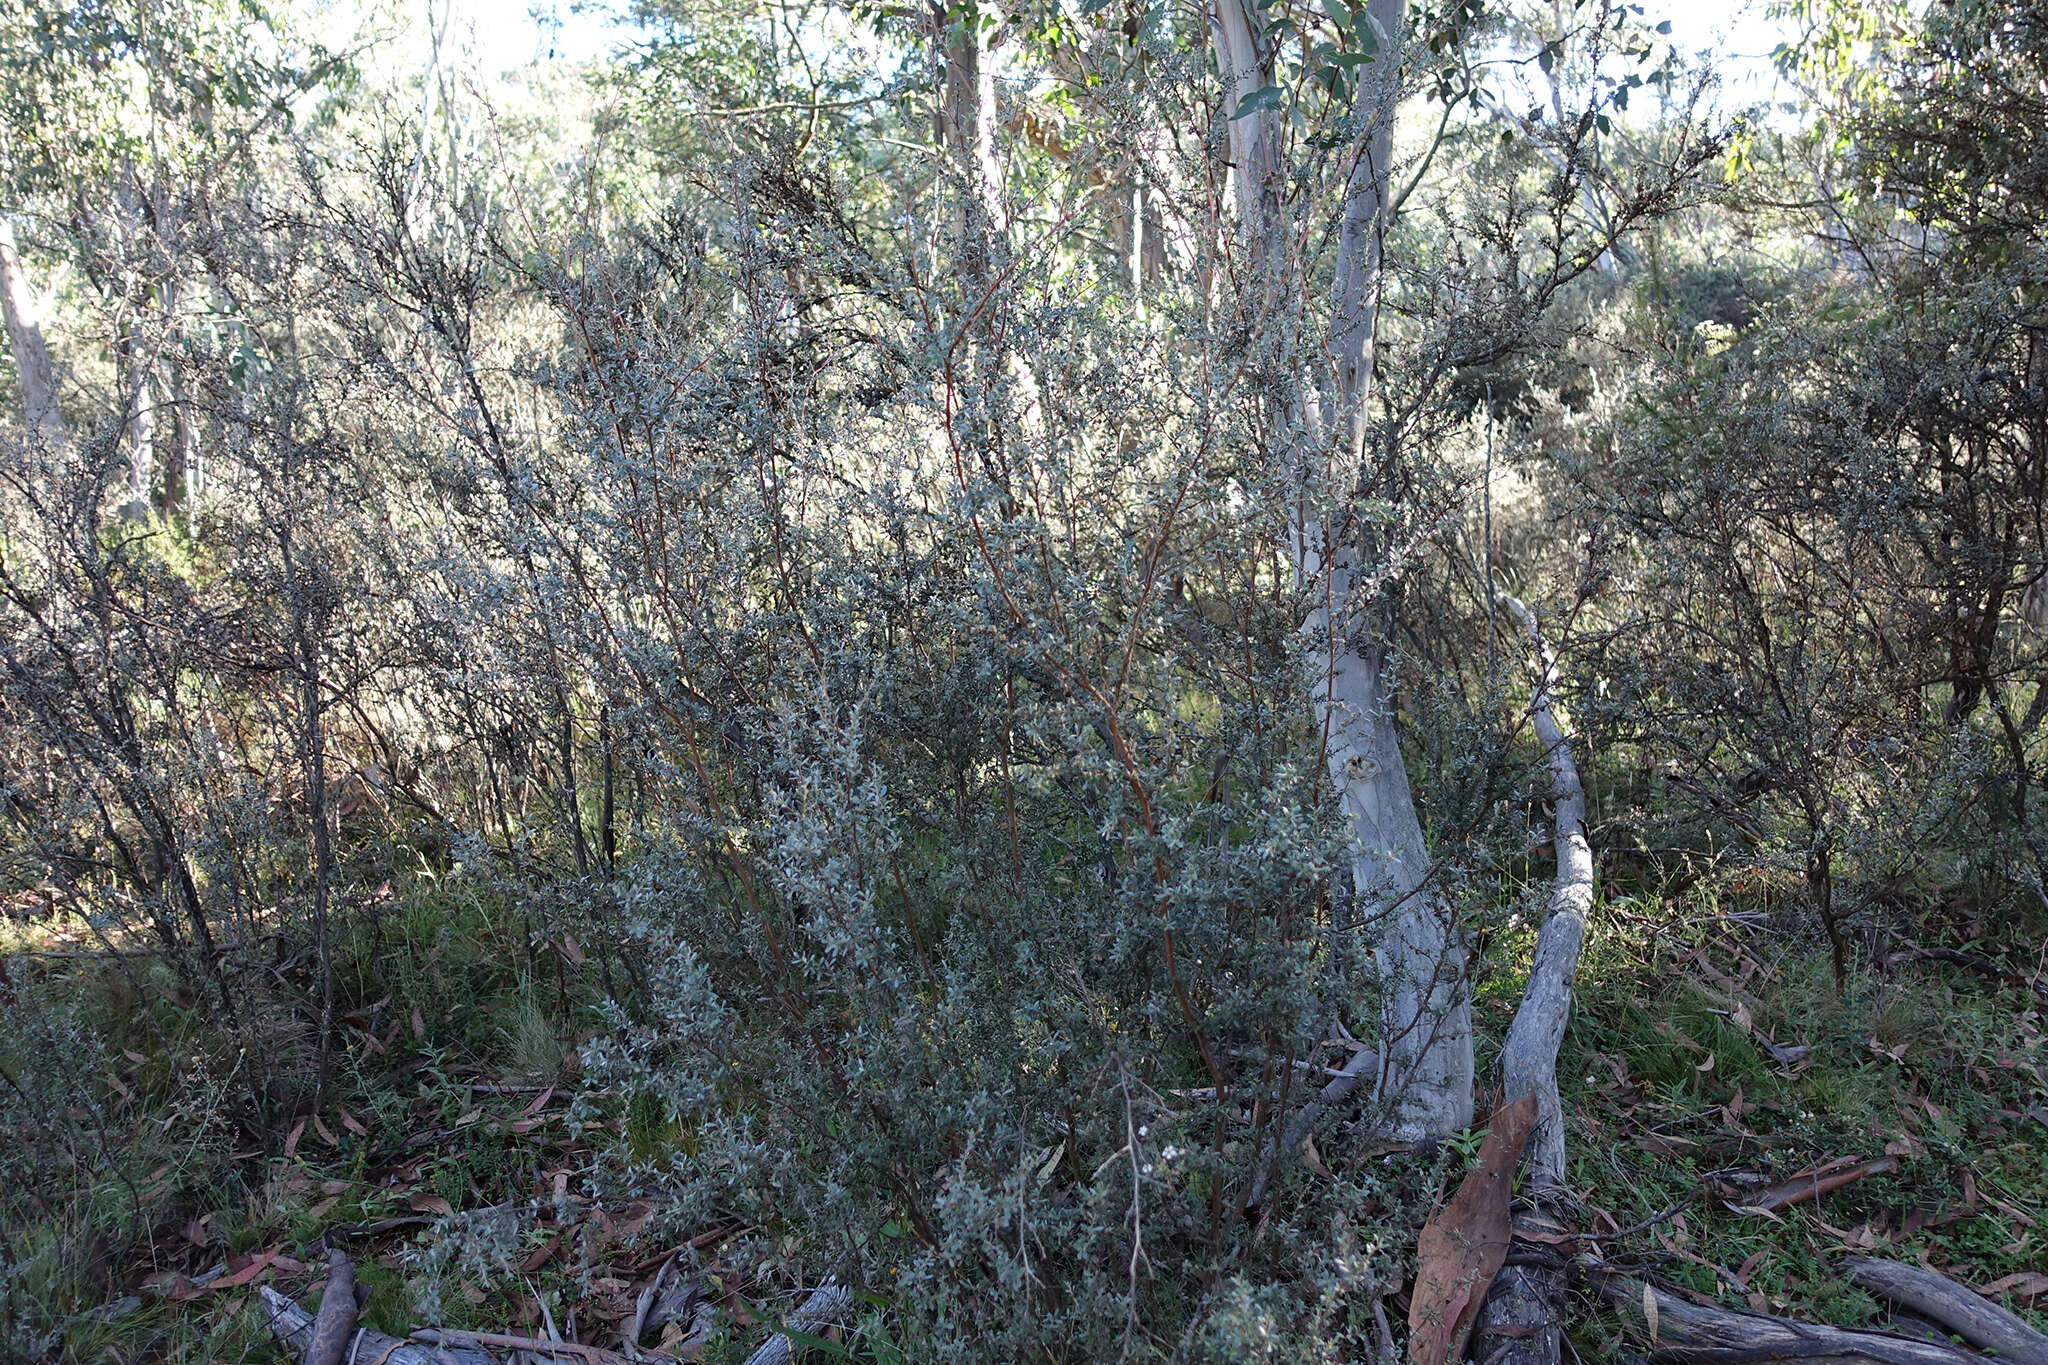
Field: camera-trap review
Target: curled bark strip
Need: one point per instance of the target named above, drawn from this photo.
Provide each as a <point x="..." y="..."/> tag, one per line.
<point x="337" y="1318"/>
<point x="1811" y="1187"/>
<point x="1463" y="1246"/>
<point x="1961" y="1310"/>
<point x="1529" y="1055"/>
<point x="1684" y="1333"/>
<point x="826" y="1302"/>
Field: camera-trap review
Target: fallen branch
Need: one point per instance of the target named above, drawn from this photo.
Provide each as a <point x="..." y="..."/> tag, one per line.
<point x="336" y="1321"/>
<point x="826" y="1302"/>
<point x="1961" y="1310"/>
<point x="293" y="1327"/>
<point x="573" y="1350"/>
<point x="1363" y="1064"/>
<point x="1983" y="966"/>
<point x="1683" y="1333"/>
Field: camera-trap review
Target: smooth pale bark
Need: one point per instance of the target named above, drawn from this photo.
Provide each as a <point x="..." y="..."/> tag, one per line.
<point x="33" y="371"/>
<point x="140" y="436"/>
<point x="1529" y="1056"/>
<point x="1519" y="1321"/>
<point x="967" y="129"/>
<point x="1425" y="1013"/>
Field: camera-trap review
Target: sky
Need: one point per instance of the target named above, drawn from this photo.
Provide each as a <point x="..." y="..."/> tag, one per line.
<point x="506" y="34"/>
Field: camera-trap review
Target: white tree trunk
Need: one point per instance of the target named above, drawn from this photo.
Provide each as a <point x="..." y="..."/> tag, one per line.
<point x="1425" y="1014"/>
<point x="967" y="128"/>
<point x="1529" y="1056"/>
<point x="141" y="432"/>
<point x="33" y="371"/>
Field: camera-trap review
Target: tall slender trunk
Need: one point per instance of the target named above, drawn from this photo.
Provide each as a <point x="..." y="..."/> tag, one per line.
<point x="183" y="475"/>
<point x="1528" y="1060"/>
<point x="1425" y="1014"/>
<point x="141" y="427"/>
<point x="33" y="373"/>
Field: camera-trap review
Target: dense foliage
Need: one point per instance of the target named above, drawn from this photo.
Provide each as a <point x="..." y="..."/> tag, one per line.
<point x="800" y="570"/>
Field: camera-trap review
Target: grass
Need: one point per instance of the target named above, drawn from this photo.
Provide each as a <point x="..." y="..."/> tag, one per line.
<point x="1671" y="1095"/>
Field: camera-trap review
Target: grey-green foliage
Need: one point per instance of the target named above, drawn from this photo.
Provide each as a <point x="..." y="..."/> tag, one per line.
<point x="978" y="835"/>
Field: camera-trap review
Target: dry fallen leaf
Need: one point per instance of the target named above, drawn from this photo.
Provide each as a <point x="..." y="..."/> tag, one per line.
<point x="1462" y="1248"/>
<point x="2028" y="1284"/>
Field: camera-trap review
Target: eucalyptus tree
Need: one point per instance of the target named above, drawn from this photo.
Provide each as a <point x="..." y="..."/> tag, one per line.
<point x="125" y="125"/>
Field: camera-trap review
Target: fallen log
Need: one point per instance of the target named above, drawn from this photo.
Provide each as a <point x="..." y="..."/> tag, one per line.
<point x="1520" y="1321"/>
<point x="1956" y="1307"/>
<point x="1685" y="1333"/>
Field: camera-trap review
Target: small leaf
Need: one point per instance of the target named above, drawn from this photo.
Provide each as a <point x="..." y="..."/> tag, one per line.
<point x="1650" y="1311"/>
<point x="1265" y="97"/>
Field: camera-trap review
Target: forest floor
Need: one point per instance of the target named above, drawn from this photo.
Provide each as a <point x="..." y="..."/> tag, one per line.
<point x="1713" y="1076"/>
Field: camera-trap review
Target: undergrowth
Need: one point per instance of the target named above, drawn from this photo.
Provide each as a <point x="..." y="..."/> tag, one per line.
<point x="472" y="1172"/>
